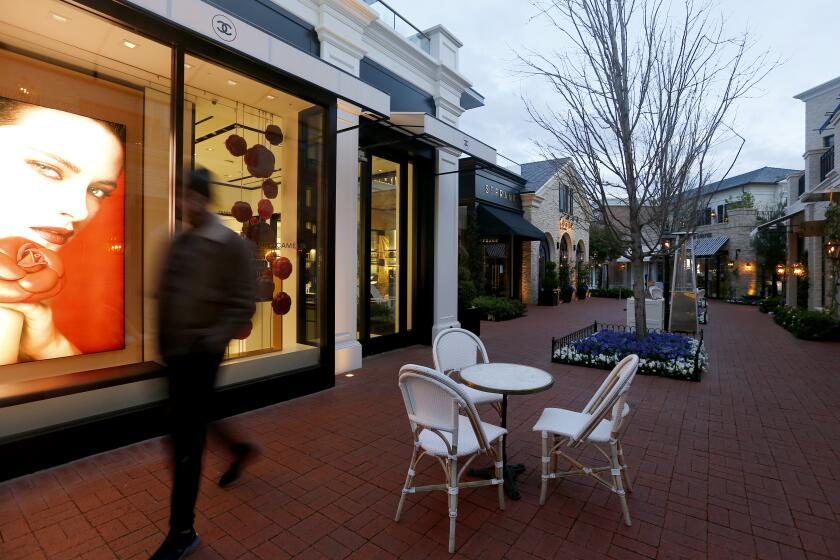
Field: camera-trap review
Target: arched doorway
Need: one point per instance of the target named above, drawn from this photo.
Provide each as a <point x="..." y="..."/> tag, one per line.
<point x="544" y="256"/>
<point x="580" y="251"/>
<point x="565" y="247"/>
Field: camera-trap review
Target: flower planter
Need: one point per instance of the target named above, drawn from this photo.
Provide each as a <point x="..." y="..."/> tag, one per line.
<point x="566" y="294"/>
<point x="548" y="297"/>
<point x="582" y="291"/>
<point x="470" y="319"/>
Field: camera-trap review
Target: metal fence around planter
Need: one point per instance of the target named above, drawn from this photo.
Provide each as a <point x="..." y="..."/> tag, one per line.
<point x="585" y="332"/>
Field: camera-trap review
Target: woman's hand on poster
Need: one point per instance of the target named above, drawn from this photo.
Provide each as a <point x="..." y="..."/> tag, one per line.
<point x="40" y="339"/>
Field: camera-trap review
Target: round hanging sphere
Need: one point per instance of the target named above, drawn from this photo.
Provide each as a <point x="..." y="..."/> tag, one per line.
<point x="241" y="211"/>
<point x="265" y="288"/>
<point x="260" y="161"/>
<point x="270" y="188"/>
<point x="245" y="332"/>
<point x="282" y="303"/>
<point x="236" y="145"/>
<point x="274" y="134"/>
<point x="269" y="257"/>
<point x="265" y="209"/>
<point x="282" y="267"/>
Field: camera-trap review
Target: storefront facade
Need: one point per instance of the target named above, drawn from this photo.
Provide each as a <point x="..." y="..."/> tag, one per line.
<point x="277" y="112"/>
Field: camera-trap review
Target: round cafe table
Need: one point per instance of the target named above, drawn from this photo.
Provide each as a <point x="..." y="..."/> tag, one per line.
<point x="506" y="379"/>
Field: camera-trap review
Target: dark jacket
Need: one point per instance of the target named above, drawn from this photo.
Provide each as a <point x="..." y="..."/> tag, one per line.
<point x="206" y="292"/>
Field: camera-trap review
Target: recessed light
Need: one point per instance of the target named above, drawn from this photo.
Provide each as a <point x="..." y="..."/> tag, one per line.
<point x="187" y="66"/>
<point x="58" y="17"/>
<point x="349" y="375"/>
<point x="231" y="83"/>
<point x="269" y="96"/>
<point x="24" y="90"/>
<point x="209" y="149"/>
<point x="129" y="44"/>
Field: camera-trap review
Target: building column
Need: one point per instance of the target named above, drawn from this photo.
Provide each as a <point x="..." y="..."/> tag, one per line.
<point x="348" y="350"/>
<point x="792" y="257"/>
<point x="445" y="312"/>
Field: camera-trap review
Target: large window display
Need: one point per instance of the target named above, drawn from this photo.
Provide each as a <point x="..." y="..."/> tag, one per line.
<point x="264" y="149"/>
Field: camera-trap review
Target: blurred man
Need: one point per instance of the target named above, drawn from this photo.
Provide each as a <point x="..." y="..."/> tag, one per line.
<point x="206" y="298"/>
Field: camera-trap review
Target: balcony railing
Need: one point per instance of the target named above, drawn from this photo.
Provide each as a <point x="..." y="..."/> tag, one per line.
<point x="826" y="163"/>
<point x="402" y="26"/>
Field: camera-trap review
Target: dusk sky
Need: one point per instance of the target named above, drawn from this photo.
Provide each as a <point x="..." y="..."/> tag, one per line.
<point x="772" y="122"/>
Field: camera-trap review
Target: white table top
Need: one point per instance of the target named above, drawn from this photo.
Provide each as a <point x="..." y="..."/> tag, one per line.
<point x="510" y="379"/>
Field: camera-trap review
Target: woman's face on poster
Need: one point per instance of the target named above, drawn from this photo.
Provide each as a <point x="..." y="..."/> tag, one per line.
<point x="57" y="169"/>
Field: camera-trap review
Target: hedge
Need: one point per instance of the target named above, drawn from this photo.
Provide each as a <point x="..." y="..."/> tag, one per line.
<point x="808" y="324"/>
<point x="770" y="304"/>
<point x="499" y="308"/>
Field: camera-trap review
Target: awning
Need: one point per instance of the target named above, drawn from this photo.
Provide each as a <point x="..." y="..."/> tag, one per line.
<point x="821" y="192"/>
<point x="791" y="211"/>
<point x="438" y="133"/>
<point x="496" y="250"/>
<point x="495" y="221"/>
<point x="709" y="246"/>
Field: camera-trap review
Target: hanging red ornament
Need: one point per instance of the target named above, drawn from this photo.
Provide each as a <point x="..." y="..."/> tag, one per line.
<point x="265" y="288"/>
<point x="236" y="145"/>
<point x="282" y="267"/>
<point x="260" y="161"/>
<point x="265" y="209"/>
<point x="273" y="134"/>
<point x="245" y="331"/>
<point x="270" y="188"/>
<point x="241" y="211"/>
<point x="270" y="257"/>
<point x="282" y="303"/>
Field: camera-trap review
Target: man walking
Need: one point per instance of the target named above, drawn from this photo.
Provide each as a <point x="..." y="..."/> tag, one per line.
<point x="206" y="298"/>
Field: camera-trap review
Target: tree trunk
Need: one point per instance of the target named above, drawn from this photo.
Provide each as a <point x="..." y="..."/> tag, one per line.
<point x="638" y="260"/>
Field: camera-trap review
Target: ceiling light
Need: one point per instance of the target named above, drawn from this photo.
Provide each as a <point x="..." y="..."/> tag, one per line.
<point x="129" y="44"/>
<point x="187" y="66"/>
<point x="58" y="17"/>
<point x="210" y="149"/>
<point x="349" y="375"/>
<point x="24" y="90"/>
<point x="231" y="83"/>
<point x="269" y="96"/>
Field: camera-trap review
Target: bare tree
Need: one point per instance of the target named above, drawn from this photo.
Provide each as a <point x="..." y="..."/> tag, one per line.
<point x="647" y="91"/>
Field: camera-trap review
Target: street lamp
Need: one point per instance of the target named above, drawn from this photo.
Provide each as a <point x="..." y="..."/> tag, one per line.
<point x="780" y="269"/>
<point x="798" y="269"/>
<point x="832" y="247"/>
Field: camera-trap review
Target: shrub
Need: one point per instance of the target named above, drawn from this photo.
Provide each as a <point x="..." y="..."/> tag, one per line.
<point x="550" y="280"/>
<point x="499" y="308"/>
<point x="808" y="324"/>
<point x="611" y="292"/>
<point x="770" y="304"/>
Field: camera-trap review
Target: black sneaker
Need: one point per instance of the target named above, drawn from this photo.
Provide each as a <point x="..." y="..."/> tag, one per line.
<point x="177" y="546"/>
<point x="244" y="452"/>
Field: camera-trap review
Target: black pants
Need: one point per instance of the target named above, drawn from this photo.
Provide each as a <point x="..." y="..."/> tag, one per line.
<point x="192" y="381"/>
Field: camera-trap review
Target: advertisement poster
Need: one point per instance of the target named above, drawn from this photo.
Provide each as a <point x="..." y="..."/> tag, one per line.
<point x="62" y="233"/>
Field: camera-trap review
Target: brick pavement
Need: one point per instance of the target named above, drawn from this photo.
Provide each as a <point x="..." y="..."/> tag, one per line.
<point x="741" y="465"/>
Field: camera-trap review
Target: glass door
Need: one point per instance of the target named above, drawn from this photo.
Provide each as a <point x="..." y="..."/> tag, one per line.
<point x="386" y="238"/>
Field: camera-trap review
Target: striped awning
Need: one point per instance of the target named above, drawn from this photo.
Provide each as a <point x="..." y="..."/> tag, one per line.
<point x="496" y="250"/>
<point x="709" y="246"/>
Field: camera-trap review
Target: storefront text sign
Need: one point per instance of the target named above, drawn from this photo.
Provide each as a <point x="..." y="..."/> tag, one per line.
<point x="501" y="193"/>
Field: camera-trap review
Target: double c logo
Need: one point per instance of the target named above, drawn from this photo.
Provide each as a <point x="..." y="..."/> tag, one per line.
<point x="223" y="28"/>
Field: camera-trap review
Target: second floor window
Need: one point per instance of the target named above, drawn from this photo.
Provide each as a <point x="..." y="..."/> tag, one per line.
<point x="828" y="141"/>
<point x="566" y="199"/>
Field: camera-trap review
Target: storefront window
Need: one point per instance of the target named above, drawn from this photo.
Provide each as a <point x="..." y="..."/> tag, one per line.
<point x="84" y="215"/>
<point x="264" y="150"/>
<point x="384" y="247"/>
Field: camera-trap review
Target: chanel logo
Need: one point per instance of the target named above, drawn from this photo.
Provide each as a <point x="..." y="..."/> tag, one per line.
<point x="224" y="28"/>
<point x="466" y="143"/>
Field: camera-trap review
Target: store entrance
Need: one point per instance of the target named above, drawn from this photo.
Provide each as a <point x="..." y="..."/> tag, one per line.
<point x="390" y="261"/>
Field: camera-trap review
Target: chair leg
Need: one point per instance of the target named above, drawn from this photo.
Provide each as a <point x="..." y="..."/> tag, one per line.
<point x="617" y="481"/>
<point x="500" y="474"/>
<point x="409" y="480"/>
<point x="546" y="459"/>
<point x="453" y="501"/>
<point x="624" y="475"/>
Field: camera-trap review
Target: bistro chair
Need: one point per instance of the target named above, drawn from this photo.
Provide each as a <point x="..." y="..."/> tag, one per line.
<point x="455" y="349"/>
<point x="560" y="427"/>
<point x="446" y="426"/>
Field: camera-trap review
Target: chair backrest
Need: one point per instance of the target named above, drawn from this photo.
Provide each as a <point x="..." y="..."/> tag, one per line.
<point x="434" y="401"/>
<point x="612" y="398"/>
<point x="655" y="293"/>
<point x="608" y="383"/>
<point x="455" y="349"/>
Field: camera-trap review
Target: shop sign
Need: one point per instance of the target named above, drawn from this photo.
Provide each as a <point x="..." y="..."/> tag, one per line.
<point x="224" y="28"/>
<point x="501" y="193"/>
<point x="566" y="224"/>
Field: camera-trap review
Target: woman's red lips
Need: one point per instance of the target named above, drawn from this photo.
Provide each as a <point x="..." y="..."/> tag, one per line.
<point x="54" y="235"/>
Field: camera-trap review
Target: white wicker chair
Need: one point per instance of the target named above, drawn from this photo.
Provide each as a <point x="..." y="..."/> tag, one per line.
<point x="434" y="403"/>
<point x="591" y="427"/>
<point x="455" y="349"/>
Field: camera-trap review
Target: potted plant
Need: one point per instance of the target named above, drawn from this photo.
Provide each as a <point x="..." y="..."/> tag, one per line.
<point x="468" y="314"/>
<point x="564" y="273"/>
<point x="584" y="271"/>
<point x="548" y="292"/>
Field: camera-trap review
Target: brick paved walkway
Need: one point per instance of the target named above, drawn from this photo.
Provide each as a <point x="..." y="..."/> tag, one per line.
<point x="741" y="465"/>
